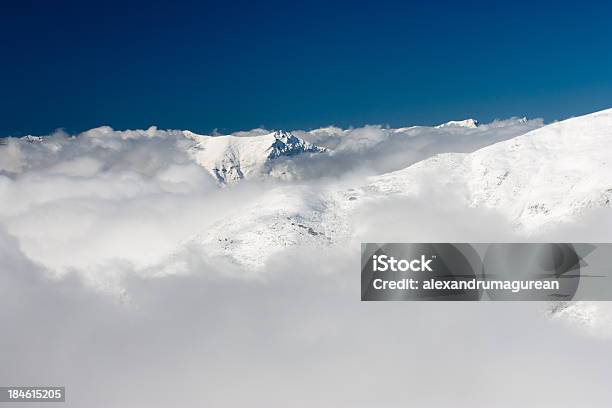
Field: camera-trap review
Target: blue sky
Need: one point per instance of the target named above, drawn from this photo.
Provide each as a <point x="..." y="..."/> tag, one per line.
<point x="238" y="65"/>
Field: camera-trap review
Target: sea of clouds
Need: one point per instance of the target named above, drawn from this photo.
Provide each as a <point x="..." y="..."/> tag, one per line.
<point x="89" y="221"/>
<point x="104" y="201"/>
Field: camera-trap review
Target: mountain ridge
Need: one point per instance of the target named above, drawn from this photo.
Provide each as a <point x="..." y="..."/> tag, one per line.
<point x="466" y="123"/>
<point x="525" y="179"/>
<point x="555" y="171"/>
<point x="232" y="158"/>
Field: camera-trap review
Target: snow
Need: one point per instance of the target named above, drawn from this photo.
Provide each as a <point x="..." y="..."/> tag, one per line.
<point x="467" y="123"/>
<point x="32" y="139"/>
<point x="232" y="158"/>
<point x="547" y="176"/>
<point x="288" y="216"/>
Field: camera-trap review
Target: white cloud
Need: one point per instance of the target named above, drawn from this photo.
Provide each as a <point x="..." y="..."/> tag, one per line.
<point x="302" y="336"/>
<point x="109" y="212"/>
<point x="376" y="149"/>
<point x="90" y="202"/>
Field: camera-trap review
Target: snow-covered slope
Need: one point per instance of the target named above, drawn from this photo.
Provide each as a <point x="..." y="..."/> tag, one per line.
<point x="550" y="175"/>
<point x="232" y="158"/>
<point x="287" y="216"/>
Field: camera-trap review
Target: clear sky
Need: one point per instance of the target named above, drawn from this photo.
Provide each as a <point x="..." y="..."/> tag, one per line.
<point x="234" y="65"/>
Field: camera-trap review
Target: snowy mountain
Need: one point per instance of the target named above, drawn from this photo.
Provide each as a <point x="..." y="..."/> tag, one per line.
<point x="547" y="176"/>
<point x="32" y="139"/>
<point x="287" y="216"/>
<point x="467" y="123"/>
<point x="232" y="158"/>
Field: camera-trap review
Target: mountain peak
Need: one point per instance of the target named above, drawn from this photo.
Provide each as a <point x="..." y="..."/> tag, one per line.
<point x="467" y="123"/>
<point x="232" y="158"/>
<point x="282" y="134"/>
<point x="287" y="144"/>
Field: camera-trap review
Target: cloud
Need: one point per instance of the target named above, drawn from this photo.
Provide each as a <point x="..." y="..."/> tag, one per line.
<point x="374" y="150"/>
<point x="99" y="290"/>
<point x="11" y="156"/>
<point x="105" y="204"/>
<point x="302" y="335"/>
<point x="251" y="133"/>
<point x="106" y="201"/>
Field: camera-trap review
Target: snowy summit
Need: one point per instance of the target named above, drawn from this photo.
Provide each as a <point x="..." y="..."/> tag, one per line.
<point x="232" y="158"/>
<point x="467" y="123"/>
